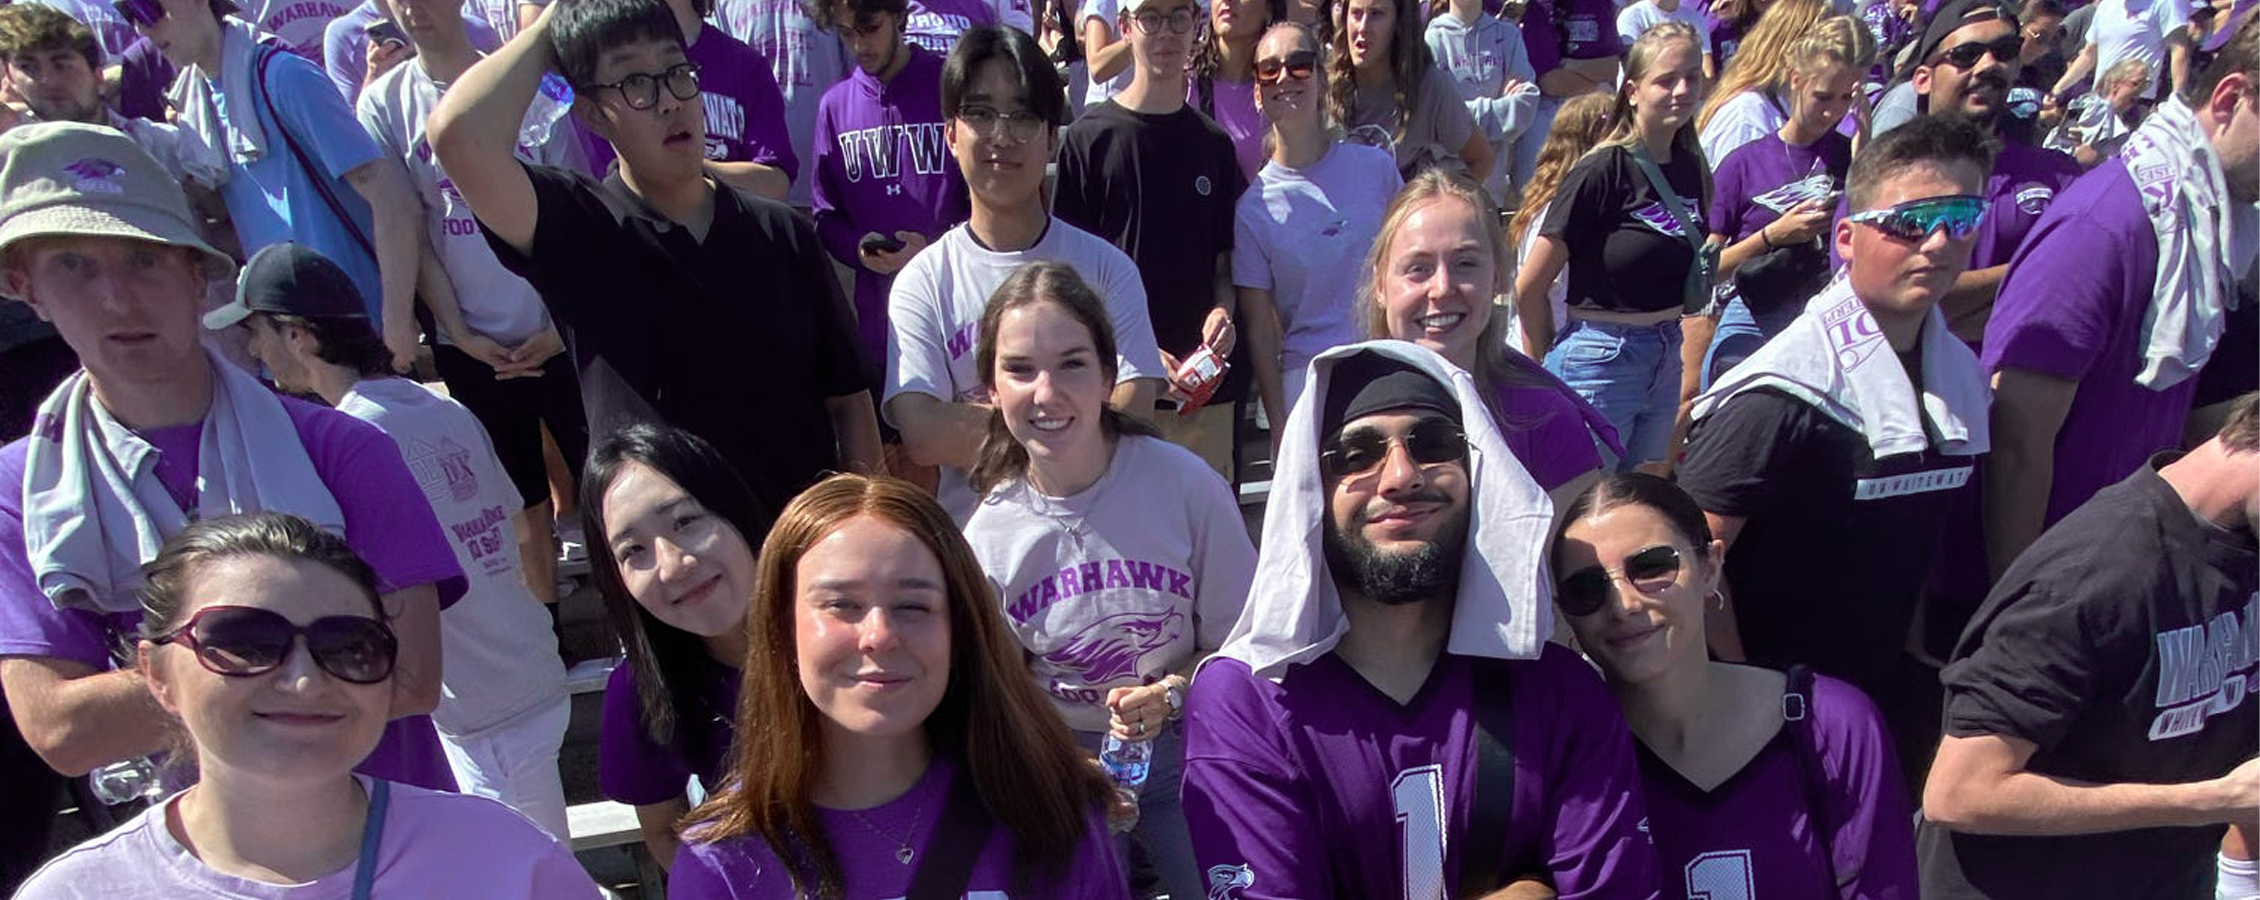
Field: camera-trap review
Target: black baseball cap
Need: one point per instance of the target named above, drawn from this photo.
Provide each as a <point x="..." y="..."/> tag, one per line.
<point x="289" y="279"/>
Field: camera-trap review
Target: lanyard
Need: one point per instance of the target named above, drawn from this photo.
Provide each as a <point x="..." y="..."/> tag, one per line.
<point x="372" y="831"/>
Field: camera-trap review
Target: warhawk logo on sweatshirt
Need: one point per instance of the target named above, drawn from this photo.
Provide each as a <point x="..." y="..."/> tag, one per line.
<point x="2205" y="671"/>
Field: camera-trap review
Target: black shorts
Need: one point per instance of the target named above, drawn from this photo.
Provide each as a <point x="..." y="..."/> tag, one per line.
<point x="514" y="410"/>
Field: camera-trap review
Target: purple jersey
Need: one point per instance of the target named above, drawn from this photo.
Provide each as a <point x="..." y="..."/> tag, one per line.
<point x="1554" y="433"/>
<point x="1760" y="180"/>
<point x="633" y="769"/>
<point x="867" y="842"/>
<point x="2072" y="307"/>
<point x="1320" y="786"/>
<point x="2023" y="183"/>
<point x="880" y="164"/>
<point x="369" y="480"/>
<point x="1757" y="834"/>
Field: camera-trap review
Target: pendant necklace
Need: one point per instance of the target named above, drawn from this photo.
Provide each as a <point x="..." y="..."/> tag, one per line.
<point x="903" y="853"/>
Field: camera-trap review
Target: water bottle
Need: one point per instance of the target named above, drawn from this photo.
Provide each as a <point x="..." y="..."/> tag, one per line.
<point x="125" y="780"/>
<point x="550" y="105"/>
<point x="1126" y="763"/>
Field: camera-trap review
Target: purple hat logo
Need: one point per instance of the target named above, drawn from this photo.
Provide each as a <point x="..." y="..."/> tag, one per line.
<point x="96" y="176"/>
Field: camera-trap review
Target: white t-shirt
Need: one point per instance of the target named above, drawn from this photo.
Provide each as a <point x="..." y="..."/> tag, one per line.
<point x="1637" y="18"/>
<point x="2138" y="29"/>
<point x="499" y="658"/>
<point x="934" y="319"/>
<point x="435" y="846"/>
<point x="495" y="302"/>
<point x="1104" y="11"/>
<point x="1743" y="118"/>
<point x="1122" y="583"/>
<point x="1303" y="234"/>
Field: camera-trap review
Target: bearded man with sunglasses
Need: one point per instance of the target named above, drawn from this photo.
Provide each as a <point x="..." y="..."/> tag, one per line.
<point x="684" y="300"/>
<point x="1387" y="718"/>
<point x="1829" y="462"/>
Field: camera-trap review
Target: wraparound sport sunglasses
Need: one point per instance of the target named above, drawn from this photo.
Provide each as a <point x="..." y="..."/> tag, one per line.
<point x="1914" y="220"/>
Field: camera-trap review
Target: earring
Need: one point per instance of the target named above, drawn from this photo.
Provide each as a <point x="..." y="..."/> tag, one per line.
<point x="1718" y="600"/>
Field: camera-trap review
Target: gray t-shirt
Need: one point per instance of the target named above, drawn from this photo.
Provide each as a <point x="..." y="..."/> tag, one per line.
<point x="1122" y="583"/>
<point x="1428" y="136"/>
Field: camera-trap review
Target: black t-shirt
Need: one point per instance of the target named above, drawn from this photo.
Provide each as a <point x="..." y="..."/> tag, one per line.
<point x="2122" y="645"/>
<point x="1162" y="188"/>
<point x="1627" y="252"/>
<point x="738" y="339"/>
<point x="1836" y="544"/>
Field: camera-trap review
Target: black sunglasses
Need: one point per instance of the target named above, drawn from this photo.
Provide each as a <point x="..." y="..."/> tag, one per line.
<point x="244" y="641"/>
<point x="1965" y="55"/>
<point x="1299" y="66"/>
<point x="1428" y="442"/>
<point x="1651" y="572"/>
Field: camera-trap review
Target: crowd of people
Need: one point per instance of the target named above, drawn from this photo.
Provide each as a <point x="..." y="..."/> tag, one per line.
<point x="1754" y="448"/>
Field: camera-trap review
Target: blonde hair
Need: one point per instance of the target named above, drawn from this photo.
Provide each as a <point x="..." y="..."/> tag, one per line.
<point x="2132" y="68"/>
<point x="1424" y="188"/>
<point x="1580" y="124"/>
<point x="1835" y="40"/>
<point x="1638" y="60"/>
<point x="1762" y="59"/>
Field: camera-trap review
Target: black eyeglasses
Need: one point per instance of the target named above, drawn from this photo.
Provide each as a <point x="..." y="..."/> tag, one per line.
<point x="1180" y="21"/>
<point x="1428" y="442"/>
<point x="1965" y="55"/>
<point x="145" y="13"/>
<point x="641" y="90"/>
<point x="1020" y="126"/>
<point x="1299" y="66"/>
<point x="1651" y="572"/>
<point x="244" y="641"/>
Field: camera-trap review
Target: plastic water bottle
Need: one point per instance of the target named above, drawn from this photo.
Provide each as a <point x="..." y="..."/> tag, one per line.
<point x="126" y="780"/>
<point x="550" y="105"/>
<point x="1126" y="763"/>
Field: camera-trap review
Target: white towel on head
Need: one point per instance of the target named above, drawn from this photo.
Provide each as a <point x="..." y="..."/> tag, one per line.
<point x="1836" y="358"/>
<point x="94" y="510"/>
<point x="1294" y="613"/>
<point x="2197" y="226"/>
<point x="236" y="136"/>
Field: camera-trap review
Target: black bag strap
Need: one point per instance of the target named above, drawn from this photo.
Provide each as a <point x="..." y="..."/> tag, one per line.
<point x="1698" y="289"/>
<point x="1483" y="857"/>
<point x="315" y="174"/>
<point x="1797" y="718"/>
<point x="945" y="864"/>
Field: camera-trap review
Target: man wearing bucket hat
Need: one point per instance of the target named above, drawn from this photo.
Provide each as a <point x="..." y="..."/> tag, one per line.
<point x="154" y="431"/>
<point x="1387" y="718"/>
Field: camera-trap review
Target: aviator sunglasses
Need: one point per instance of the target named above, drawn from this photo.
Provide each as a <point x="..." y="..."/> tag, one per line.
<point x="1914" y="220"/>
<point x="1428" y="442"/>
<point x="1651" y="572"/>
<point x="1298" y="66"/>
<point x="243" y="641"/>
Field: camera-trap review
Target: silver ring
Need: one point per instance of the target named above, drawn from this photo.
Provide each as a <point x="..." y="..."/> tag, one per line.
<point x="1139" y="727"/>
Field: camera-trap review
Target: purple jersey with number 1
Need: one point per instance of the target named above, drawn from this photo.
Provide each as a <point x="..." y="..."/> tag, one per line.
<point x="1320" y="786"/>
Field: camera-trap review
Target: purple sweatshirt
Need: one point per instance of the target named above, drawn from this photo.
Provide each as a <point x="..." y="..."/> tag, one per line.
<point x="1320" y="786"/>
<point x="880" y="164"/>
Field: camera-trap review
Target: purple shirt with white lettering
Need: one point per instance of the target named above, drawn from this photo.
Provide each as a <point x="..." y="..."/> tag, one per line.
<point x="867" y="841"/>
<point x="1320" y="786"/>
<point x="364" y="472"/>
<point x="1757" y="834"/>
<point x="880" y="164"/>
<point x="1760" y="180"/>
<point x="2072" y="307"/>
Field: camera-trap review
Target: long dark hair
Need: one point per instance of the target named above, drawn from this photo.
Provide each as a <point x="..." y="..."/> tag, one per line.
<point x="1409" y="63"/>
<point x="1209" y="57"/>
<point x="664" y="658"/>
<point x="1002" y="458"/>
<point x="993" y="720"/>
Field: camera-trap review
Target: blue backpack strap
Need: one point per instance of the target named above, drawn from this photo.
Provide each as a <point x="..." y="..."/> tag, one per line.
<point x="372" y="834"/>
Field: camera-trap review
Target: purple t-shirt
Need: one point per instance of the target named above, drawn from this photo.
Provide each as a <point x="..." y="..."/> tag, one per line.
<point x="1233" y="106"/>
<point x="1554" y="432"/>
<point x="2024" y="181"/>
<point x="1760" y="180"/>
<point x="366" y="475"/>
<point x="933" y="25"/>
<point x="1754" y="835"/>
<point x="866" y="843"/>
<point x="1584" y="29"/>
<point x="745" y="111"/>
<point x="2072" y="307"/>
<point x="880" y="164"/>
<point x="1320" y="786"/>
<point x="633" y="769"/>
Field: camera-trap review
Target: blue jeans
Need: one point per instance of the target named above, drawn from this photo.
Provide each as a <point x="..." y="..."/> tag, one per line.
<point x="1161" y="840"/>
<point x="1741" y="332"/>
<point x="1628" y="372"/>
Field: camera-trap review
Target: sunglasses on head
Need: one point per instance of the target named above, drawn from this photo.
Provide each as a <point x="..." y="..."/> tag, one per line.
<point x="1362" y="450"/>
<point x="1914" y="220"/>
<point x="145" y="13"/>
<point x="243" y="641"/>
<point x="1651" y="572"/>
<point x="1299" y="66"/>
<point x="1965" y="55"/>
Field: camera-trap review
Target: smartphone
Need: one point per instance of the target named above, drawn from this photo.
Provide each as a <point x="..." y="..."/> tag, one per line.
<point x="879" y="243"/>
<point x="386" y="31"/>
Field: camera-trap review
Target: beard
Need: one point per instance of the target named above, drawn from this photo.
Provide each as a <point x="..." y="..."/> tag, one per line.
<point x="1429" y="571"/>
